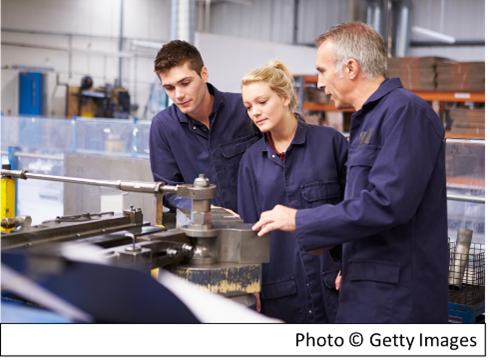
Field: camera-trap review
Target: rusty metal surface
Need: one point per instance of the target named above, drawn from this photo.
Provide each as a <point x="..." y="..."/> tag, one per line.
<point x="227" y="279"/>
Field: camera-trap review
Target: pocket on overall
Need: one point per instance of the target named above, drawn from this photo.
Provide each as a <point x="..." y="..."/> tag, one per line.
<point x="370" y="289"/>
<point x="319" y="193"/>
<point x="233" y="151"/>
<point x="280" y="300"/>
<point x="359" y="166"/>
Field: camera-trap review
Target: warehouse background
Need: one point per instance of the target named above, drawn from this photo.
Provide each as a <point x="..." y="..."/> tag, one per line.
<point x="115" y="41"/>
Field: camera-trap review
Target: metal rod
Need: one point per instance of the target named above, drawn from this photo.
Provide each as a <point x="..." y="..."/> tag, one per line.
<point x="144" y="187"/>
<point x="78" y="35"/>
<point x="40" y="156"/>
<point x="458" y="43"/>
<point x="464" y="198"/>
<point x="207" y="17"/>
<point x="47" y="177"/>
<point x="295" y="23"/>
<point x="121" y="27"/>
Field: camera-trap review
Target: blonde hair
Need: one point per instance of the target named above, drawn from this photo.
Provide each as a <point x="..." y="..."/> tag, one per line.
<point x="276" y="74"/>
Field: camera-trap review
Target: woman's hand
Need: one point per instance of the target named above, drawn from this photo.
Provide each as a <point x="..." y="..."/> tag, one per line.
<point x="279" y="218"/>
<point x="227" y="210"/>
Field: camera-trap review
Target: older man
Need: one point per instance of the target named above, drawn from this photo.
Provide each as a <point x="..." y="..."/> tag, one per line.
<point x="393" y="220"/>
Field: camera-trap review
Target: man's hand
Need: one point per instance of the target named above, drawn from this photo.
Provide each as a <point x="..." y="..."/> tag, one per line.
<point x="337" y="280"/>
<point x="317" y="251"/>
<point x="279" y="218"/>
<point x="259" y="305"/>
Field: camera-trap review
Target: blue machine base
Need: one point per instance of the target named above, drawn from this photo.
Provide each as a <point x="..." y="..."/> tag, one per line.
<point x="468" y="313"/>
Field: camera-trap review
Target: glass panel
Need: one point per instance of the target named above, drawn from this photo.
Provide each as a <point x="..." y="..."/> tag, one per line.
<point x="465" y="175"/>
<point x="119" y="137"/>
<point x="52" y="137"/>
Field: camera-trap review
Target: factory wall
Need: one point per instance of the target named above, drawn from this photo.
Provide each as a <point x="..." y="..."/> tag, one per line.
<point x="462" y="19"/>
<point x="83" y="39"/>
<point x="273" y="20"/>
<point x="243" y="55"/>
<point x="90" y="29"/>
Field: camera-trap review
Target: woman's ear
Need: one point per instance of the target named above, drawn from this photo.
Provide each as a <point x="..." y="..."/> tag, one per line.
<point x="287" y="100"/>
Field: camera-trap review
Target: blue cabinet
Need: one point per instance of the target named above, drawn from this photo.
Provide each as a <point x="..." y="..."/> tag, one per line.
<point x="30" y="91"/>
<point x="30" y="96"/>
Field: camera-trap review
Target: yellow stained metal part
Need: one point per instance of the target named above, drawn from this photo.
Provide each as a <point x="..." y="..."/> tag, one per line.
<point x="227" y="280"/>
<point x="154" y="273"/>
<point x="8" y="199"/>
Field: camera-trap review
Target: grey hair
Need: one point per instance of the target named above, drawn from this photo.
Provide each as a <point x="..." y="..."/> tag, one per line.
<point x="356" y="40"/>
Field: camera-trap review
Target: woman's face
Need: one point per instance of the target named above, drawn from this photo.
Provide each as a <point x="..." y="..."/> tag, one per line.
<point x="265" y="107"/>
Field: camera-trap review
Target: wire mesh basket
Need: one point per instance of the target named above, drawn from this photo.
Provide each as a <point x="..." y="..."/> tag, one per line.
<point x="466" y="275"/>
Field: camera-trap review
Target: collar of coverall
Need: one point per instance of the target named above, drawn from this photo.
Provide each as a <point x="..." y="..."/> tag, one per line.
<point x="388" y="85"/>
<point x="299" y="137"/>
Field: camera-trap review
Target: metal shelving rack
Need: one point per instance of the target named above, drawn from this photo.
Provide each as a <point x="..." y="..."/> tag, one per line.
<point x="431" y="96"/>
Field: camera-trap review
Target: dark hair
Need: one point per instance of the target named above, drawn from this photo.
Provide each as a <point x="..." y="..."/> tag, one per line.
<point x="175" y="54"/>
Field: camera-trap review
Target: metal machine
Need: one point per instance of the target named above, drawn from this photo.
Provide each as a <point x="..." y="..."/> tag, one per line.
<point x="215" y="250"/>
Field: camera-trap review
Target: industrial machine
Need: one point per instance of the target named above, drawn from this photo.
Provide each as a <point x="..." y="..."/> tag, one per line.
<point x="214" y="249"/>
<point x="102" y="102"/>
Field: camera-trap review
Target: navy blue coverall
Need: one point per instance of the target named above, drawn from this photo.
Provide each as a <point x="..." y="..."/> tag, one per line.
<point x="297" y="287"/>
<point x="393" y="220"/>
<point x="181" y="148"/>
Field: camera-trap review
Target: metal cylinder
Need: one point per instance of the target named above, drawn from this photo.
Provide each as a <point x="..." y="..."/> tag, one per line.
<point x="459" y="260"/>
<point x="174" y="20"/>
<point x="402" y="29"/>
<point x="374" y="15"/>
<point x="146" y="187"/>
<point x="183" y="20"/>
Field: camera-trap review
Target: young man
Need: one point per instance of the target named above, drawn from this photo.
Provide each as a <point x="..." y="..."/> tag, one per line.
<point x="393" y="220"/>
<point x="204" y="131"/>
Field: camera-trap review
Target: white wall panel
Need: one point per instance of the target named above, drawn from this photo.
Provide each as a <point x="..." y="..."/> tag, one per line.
<point x="316" y="17"/>
<point x="147" y="19"/>
<point x="96" y="17"/>
<point x="229" y="58"/>
<point x="10" y="91"/>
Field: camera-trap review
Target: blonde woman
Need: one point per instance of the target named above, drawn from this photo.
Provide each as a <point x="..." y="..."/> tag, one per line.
<point x="297" y="165"/>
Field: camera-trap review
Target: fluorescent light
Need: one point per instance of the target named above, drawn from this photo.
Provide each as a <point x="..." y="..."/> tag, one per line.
<point x="144" y="43"/>
<point x="241" y="2"/>
<point x="435" y="35"/>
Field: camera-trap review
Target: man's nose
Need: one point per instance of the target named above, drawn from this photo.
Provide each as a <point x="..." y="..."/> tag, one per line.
<point x="320" y="84"/>
<point x="179" y="93"/>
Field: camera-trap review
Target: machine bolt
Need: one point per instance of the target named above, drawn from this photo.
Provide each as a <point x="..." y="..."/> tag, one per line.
<point x="201" y="181"/>
<point x="133" y="248"/>
<point x="172" y="252"/>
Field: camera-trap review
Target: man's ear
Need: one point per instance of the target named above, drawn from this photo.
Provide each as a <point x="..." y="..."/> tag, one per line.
<point x="204" y="74"/>
<point x="353" y="69"/>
